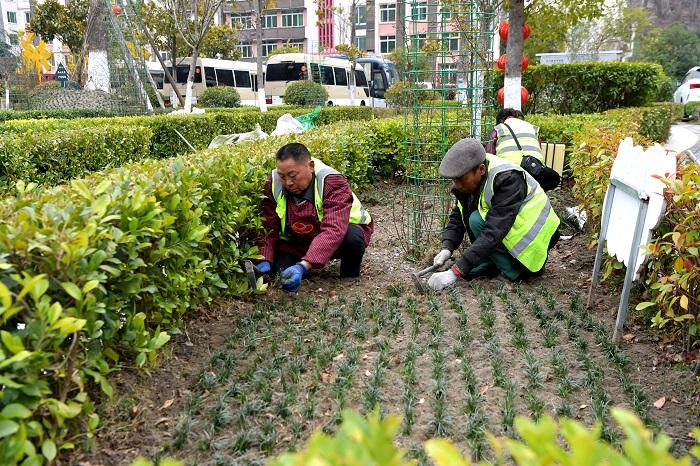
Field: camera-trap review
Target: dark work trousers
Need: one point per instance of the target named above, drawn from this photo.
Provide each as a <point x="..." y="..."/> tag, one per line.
<point x="350" y="253"/>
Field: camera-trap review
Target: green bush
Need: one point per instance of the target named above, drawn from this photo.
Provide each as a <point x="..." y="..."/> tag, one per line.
<point x="55" y="150"/>
<point x="405" y="94"/>
<point x="6" y="115"/>
<point x="306" y="94"/>
<point x="591" y="87"/>
<point x="372" y="440"/>
<point x="224" y="96"/>
<point x="689" y="109"/>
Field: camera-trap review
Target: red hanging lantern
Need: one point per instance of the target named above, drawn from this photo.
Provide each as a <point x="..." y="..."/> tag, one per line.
<point x="501" y="63"/>
<point x="503" y="30"/>
<point x="503" y="59"/>
<point x="524" y="95"/>
<point x="116" y="9"/>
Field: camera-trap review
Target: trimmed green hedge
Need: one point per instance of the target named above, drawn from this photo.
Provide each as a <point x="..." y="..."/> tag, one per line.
<point x="590" y="87"/>
<point x="52" y="150"/>
<point x="7" y="115"/>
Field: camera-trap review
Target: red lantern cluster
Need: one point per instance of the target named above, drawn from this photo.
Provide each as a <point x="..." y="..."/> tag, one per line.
<point x="501" y="63"/>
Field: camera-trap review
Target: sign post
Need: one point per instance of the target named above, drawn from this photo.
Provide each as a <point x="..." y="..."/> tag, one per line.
<point x="62" y="75"/>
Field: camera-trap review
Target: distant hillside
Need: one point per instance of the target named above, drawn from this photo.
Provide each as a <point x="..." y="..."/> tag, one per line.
<point x="665" y="12"/>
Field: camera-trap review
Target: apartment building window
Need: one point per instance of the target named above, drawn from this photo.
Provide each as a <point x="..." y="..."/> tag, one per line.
<point x="268" y="46"/>
<point x="270" y="20"/>
<point x="27" y="16"/>
<point x="361" y="42"/>
<point x="387" y="12"/>
<point x="361" y="15"/>
<point x="292" y="19"/>
<point x="420" y="12"/>
<point x="387" y="44"/>
<point x="446" y="13"/>
<point x="297" y="43"/>
<point x="12" y="17"/>
<point x="418" y="41"/>
<point x="242" y="20"/>
<point x="245" y="49"/>
<point x="452" y="42"/>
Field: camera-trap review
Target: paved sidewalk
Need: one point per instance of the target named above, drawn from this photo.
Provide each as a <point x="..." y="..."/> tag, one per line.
<point x="695" y="128"/>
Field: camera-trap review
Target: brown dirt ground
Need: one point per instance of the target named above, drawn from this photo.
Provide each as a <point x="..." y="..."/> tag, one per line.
<point x="142" y="418"/>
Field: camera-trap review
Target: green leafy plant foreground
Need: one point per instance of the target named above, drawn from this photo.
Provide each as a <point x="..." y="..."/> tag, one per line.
<point x="370" y="441"/>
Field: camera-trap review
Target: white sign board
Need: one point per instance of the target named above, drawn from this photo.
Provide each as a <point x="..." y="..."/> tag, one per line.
<point x="639" y="168"/>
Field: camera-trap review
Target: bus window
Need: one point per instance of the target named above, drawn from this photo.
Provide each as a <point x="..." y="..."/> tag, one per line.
<point x="184" y="70"/>
<point x="360" y="78"/>
<point x="341" y="77"/>
<point x="315" y="73"/>
<point x="328" y="77"/>
<point x="209" y="76"/>
<point x="225" y="77"/>
<point x="378" y="80"/>
<point x="242" y="78"/>
<point x="286" y="71"/>
<point x="158" y="78"/>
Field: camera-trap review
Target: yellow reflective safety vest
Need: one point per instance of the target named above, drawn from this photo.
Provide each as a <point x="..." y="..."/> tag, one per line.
<point x="358" y="215"/>
<point x="536" y="222"/>
<point x="506" y="147"/>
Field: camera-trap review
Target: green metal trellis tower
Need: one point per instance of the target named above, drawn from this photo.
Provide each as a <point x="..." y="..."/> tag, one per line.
<point x="448" y="96"/>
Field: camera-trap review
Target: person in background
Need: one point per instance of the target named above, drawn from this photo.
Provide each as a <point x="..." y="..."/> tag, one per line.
<point x="517" y="141"/>
<point x="310" y="216"/>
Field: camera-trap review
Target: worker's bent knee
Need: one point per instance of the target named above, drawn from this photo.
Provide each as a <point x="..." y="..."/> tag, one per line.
<point x="476" y="223"/>
<point x="354" y="239"/>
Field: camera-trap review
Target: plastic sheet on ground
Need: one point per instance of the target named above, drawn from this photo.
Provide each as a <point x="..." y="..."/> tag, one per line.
<point x="230" y="139"/>
<point x="287" y="124"/>
<point x="307" y="120"/>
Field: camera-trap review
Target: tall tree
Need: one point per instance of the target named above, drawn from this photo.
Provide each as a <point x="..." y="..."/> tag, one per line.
<point x="96" y="41"/>
<point x="193" y="18"/>
<point x="221" y="41"/>
<point x="258" y="8"/>
<point x="675" y="48"/>
<point x="51" y="20"/>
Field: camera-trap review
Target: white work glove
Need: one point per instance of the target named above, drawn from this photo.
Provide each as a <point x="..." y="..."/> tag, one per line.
<point x="442" y="257"/>
<point x="441" y="280"/>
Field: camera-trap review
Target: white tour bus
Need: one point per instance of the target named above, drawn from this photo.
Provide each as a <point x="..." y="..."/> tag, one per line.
<point x="210" y="72"/>
<point x="333" y="73"/>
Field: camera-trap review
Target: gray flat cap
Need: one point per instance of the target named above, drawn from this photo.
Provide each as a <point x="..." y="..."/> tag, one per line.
<point x="463" y="156"/>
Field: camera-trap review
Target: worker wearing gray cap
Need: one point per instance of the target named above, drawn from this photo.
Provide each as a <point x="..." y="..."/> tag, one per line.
<point x="507" y="215"/>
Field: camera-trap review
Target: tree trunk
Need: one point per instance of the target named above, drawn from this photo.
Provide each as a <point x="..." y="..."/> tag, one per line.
<point x="96" y="41"/>
<point x="514" y="52"/>
<point x="353" y="9"/>
<point x="190" y="80"/>
<point x="262" y="104"/>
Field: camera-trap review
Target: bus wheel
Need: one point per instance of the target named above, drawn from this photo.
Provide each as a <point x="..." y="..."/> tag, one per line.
<point x="330" y="103"/>
<point x="362" y="103"/>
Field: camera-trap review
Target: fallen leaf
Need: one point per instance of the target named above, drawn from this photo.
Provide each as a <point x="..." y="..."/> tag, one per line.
<point x="135" y="409"/>
<point x="162" y="420"/>
<point x="167" y="404"/>
<point x="339" y="357"/>
<point x="325" y="377"/>
<point x="691" y="434"/>
<point x="674" y="400"/>
<point x="458" y="361"/>
<point x="629" y="337"/>
<point x="483" y="390"/>
<point x="365" y="357"/>
<point x="658" y="404"/>
<point x="189" y="343"/>
<point x="368" y="373"/>
<point x="583" y="407"/>
<point x="421" y="401"/>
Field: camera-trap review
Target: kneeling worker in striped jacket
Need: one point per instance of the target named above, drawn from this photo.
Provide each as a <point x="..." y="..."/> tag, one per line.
<point x="507" y="215"/>
<point x="310" y="216"/>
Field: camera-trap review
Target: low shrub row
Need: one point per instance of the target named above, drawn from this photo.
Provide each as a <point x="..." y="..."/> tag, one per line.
<point x="592" y="87"/>
<point x="7" y="115"/>
<point x="97" y="273"/>
<point x="53" y="150"/>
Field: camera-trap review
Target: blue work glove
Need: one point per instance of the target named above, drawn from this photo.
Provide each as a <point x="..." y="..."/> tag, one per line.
<point x="291" y="277"/>
<point x="264" y="267"/>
